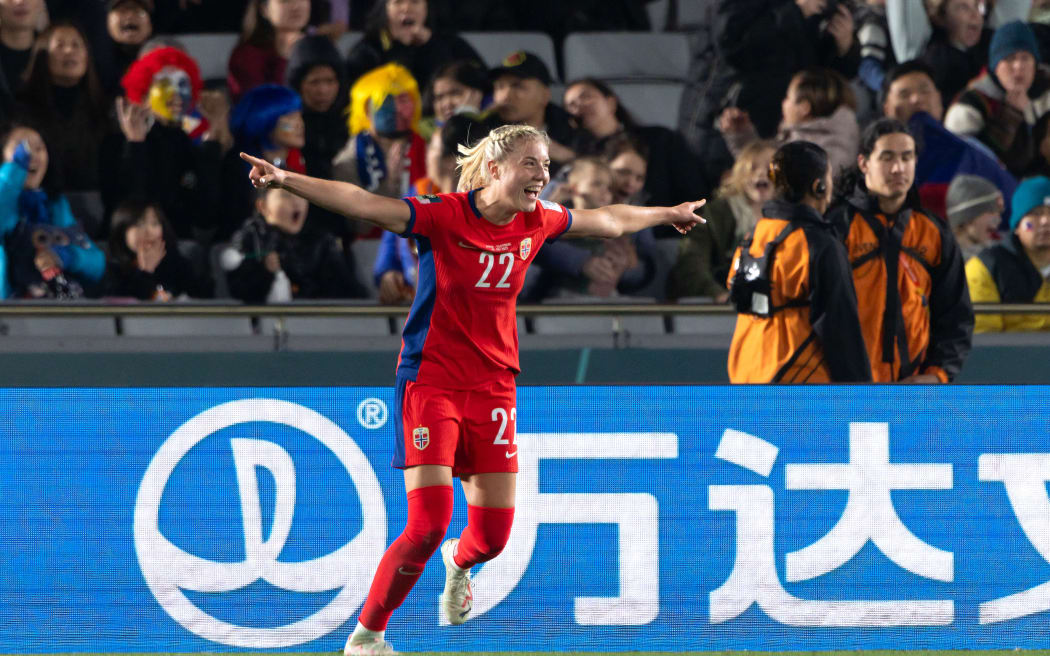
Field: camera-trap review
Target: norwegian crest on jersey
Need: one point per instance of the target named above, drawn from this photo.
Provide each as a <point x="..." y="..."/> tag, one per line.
<point x="525" y="247"/>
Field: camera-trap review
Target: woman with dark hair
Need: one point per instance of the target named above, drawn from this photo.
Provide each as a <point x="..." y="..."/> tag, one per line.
<point x="675" y="173"/>
<point x="45" y="252"/>
<point x="145" y="262"/>
<point x="907" y="268"/>
<point x="271" y="29"/>
<point x="819" y="107"/>
<point x="459" y="86"/>
<point x="63" y="96"/>
<point x="402" y="31"/>
<point x="790" y="281"/>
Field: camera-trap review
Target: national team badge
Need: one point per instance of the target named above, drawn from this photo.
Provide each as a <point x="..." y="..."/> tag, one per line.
<point x="428" y="199"/>
<point x="525" y="248"/>
<point x="421" y="437"/>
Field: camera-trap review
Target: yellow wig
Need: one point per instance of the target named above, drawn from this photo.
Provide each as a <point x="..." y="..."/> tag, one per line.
<point x="375" y="86"/>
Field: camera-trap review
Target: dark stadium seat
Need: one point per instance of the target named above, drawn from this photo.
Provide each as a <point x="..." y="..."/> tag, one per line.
<point x="616" y="56"/>
<point x="495" y="46"/>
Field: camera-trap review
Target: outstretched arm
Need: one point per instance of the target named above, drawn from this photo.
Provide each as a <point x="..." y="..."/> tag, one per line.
<point x="341" y="197"/>
<point x="616" y="220"/>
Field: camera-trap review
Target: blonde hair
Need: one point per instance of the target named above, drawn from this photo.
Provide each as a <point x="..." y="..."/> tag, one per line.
<point x="494" y="147"/>
<point x="736" y="182"/>
<point x="374" y="87"/>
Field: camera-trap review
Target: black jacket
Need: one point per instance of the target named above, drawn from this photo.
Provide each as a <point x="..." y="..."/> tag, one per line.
<point x="168" y="167"/>
<point x="953" y="68"/>
<point x="422" y="61"/>
<point x="1014" y="274"/>
<point x="314" y="264"/>
<point x="173" y="275"/>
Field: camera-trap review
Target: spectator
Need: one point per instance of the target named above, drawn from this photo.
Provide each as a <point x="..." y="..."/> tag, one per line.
<point x="975" y="207"/>
<point x="914" y="309"/>
<point x="62" y="95"/>
<point x="397" y="260"/>
<point x="154" y="157"/>
<point x="129" y="24"/>
<point x="266" y="123"/>
<point x="45" y="252"/>
<point x="1002" y="105"/>
<point x="402" y="31"/>
<point x="145" y="262"/>
<point x="594" y="267"/>
<point x="819" y="107"/>
<point x="950" y="36"/>
<point x="385" y="152"/>
<point x="751" y="51"/>
<point x="675" y="174"/>
<point x="315" y="72"/>
<point x="459" y="86"/>
<point x="270" y="31"/>
<point x="876" y="49"/>
<point x="704" y="254"/>
<point x="629" y="161"/>
<point x="270" y="261"/>
<point x="1017" y="270"/>
<point x="521" y="94"/>
<point x="910" y="96"/>
<point x="797" y="311"/>
<point x="19" y="22"/>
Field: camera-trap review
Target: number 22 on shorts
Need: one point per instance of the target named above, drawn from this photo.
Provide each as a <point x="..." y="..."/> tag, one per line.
<point x="500" y="415"/>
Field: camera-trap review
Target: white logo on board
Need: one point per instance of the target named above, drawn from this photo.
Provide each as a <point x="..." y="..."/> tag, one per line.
<point x="168" y="569"/>
<point x="372" y="413"/>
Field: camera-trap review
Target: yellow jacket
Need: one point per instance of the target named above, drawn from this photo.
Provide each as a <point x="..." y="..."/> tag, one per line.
<point x="1003" y="274"/>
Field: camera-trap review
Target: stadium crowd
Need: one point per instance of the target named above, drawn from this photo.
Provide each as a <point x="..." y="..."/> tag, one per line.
<point x="121" y="176"/>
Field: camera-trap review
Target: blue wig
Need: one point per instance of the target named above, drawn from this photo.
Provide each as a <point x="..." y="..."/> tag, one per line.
<point x="256" y="116"/>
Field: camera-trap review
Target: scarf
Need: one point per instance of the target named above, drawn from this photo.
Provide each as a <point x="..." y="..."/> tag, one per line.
<point x="371" y="166"/>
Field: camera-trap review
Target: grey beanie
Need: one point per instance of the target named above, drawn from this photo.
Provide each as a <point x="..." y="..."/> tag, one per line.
<point x="970" y="196"/>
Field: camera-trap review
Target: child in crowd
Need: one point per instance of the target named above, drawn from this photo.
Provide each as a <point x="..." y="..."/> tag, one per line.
<point x="270" y="261"/>
<point x="975" y="209"/>
<point x="45" y="252"/>
<point x="595" y="267"/>
<point x="145" y="262"/>
<point x="267" y="123"/>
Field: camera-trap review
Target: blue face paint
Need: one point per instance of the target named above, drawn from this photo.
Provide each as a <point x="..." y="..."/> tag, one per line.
<point x="384" y="119"/>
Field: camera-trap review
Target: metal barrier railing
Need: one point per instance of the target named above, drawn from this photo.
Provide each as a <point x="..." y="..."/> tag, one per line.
<point x="51" y="309"/>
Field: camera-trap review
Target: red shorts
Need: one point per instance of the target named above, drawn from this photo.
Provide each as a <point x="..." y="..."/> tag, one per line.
<point x="471" y="431"/>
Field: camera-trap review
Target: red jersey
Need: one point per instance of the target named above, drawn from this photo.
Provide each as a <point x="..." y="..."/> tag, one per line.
<point x="463" y="327"/>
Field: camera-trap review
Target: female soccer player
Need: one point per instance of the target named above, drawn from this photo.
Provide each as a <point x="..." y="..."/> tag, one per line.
<point x="455" y="391"/>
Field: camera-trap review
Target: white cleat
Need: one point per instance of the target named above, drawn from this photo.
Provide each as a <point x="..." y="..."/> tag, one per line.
<point x="458" y="597"/>
<point x="367" y="645"/>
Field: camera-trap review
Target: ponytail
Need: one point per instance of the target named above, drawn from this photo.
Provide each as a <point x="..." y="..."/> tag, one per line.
<point x="473" y="165"/>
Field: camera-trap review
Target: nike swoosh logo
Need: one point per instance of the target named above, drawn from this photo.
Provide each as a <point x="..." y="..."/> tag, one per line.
<point x="470" y="246"/>
<point x="510" y="454"/>
<point x="401" y="570"/>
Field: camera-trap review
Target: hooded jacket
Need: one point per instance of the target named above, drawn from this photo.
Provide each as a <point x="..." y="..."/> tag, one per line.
<point x="1003" y="273"/>
<point x="819" y="340"/>
<point x="838" y="134"/>
<point x="908" y="273"/>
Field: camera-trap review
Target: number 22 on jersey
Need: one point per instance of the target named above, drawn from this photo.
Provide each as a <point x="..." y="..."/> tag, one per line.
<point x="505" y="264"/>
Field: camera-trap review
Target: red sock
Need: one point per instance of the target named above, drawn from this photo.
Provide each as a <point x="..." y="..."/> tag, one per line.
<point x="485" y="536"/>
<point x="429" y="512"/>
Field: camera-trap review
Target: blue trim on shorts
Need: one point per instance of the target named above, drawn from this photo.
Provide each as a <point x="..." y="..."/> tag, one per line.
<point x="400" y="386"/>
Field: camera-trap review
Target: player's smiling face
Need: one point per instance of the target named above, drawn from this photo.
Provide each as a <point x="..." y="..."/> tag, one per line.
<point x="523" y="174"/>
